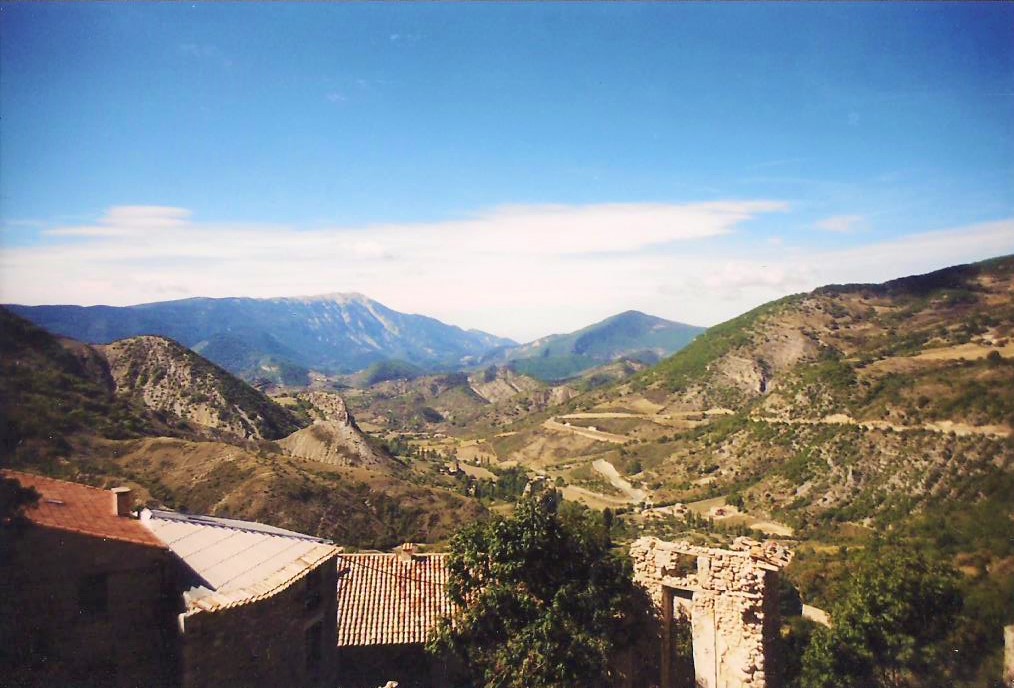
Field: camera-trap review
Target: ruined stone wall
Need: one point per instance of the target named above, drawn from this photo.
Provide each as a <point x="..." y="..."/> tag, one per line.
<point x="1008" y="656"/>
<point x="733" y="608"/>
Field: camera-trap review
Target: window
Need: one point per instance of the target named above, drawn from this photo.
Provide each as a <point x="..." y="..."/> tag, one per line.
<point x="314" y="635"/>
<point x="93" y="594"/>
<point x="313" y="595"/>
<point x="685" y="565"/>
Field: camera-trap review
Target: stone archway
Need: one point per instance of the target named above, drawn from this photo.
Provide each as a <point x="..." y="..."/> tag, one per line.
<point x="731" y="598"/>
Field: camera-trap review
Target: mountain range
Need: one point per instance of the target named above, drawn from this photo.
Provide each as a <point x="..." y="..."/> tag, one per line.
<point x="281" y="340"/>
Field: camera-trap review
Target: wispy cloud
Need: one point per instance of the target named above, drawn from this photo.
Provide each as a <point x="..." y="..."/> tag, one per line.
<point x="516" y="258"/>
<point x="521" y="271"/>
<point x="840" y="224"/>
<point x="736" y="276"/>
<point x="125" y="220"/>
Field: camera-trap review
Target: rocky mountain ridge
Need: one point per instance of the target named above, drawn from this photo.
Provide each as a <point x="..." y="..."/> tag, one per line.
<point x="280" y="339"/>
<point x="334" y="437"/>
<point x="166" y="377"/>
<point x="187" y="435"/>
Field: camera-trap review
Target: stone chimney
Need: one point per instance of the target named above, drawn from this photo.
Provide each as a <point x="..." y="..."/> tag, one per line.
<point x="121" y="501"/>
<point x="406" y="552"/>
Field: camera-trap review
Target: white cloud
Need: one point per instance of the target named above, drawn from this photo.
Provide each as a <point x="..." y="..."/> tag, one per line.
<point x="519" y="271"/>
<point x="128" y="219"/>
<point x="712" y="288"/>
<point x="735" y="276"/>
<point x="915" y="253"/>
<point x="840" y="224"/>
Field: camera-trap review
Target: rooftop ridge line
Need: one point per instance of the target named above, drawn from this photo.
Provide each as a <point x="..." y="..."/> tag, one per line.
<point x="16" y="472"/>
<point x="216" y="522"/>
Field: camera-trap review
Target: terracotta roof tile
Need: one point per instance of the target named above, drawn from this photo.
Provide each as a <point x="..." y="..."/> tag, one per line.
<point x="387" y="600"/>
<point x="81" y="509"/>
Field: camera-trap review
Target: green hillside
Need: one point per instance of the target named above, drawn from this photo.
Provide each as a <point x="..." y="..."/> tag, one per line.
<point x="631" y="333"/>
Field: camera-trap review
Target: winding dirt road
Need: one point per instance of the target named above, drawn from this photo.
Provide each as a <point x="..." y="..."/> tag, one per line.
<point x="552" y="424"/>
<point x="941" y="426"/>
<point x="634" y="494"/>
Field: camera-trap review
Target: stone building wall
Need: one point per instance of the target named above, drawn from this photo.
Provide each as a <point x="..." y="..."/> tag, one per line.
<point x="286" y="639"/>
<point x="79" y="610"/>
<point x="731" y="598"/>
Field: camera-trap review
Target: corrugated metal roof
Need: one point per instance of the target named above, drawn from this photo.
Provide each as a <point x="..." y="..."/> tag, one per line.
<point x="81" y="509"/>
<point x="386" y="599"/>
<point x="237" y="561"/>
<point x="236" y="524"/>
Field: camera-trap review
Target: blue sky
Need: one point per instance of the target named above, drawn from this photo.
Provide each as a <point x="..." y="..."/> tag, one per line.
<point x="520" y="168"/>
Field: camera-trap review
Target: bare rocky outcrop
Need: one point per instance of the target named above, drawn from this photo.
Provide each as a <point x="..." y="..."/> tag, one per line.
<point x="327" y="406"/>
<point x="543" y="399"/>
<point x="497" y="385"/>
<point x="334" y="437"/>
<point x="167" y="377"/>
<point x="781" y="344"/>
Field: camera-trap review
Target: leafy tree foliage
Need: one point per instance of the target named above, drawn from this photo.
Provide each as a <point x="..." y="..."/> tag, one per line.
<point x="542" y="601"/>
<point x="14" y="499"/>
<point x="889" y="629"/>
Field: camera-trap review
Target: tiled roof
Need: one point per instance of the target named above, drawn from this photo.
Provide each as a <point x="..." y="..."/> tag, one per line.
<point x="235" y="561"/>
<point x="385" y="599"/>
<point x="81" y="509"/>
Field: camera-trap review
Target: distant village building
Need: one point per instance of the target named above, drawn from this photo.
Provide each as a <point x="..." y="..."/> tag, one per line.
<point x="387" y="606"/>
<point x="94" y="596"/>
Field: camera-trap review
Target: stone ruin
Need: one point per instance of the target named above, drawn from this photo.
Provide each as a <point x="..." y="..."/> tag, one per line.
<point x="730" y="598"/>
<point x="1008" y="656"/>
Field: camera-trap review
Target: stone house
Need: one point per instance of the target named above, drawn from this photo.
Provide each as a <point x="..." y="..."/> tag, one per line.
<point x="387" y="606"/>
<point x="259" y="603"/>
<point x="95" y="596"/>
<point x="89" y="596"/>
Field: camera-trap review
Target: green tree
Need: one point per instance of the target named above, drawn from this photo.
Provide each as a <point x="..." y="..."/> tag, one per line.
<point x="541" y="600"/>
<point x="889" y="626"/>
<point x="14" y="499"/>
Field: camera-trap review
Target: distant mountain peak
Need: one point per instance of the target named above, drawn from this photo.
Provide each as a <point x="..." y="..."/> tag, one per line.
<point x="340" y="297"/>
<point x="559" y="356"/>
<point x="339" y="332"/>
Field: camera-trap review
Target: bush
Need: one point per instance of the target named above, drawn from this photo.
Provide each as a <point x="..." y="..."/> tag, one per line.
<point x="890" y="625"/>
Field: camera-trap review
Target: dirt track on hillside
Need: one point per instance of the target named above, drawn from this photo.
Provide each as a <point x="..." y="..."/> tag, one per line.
<point x="608" y="470"/>
<point x="941" y="426"/>
<point x="585" y="432"/>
